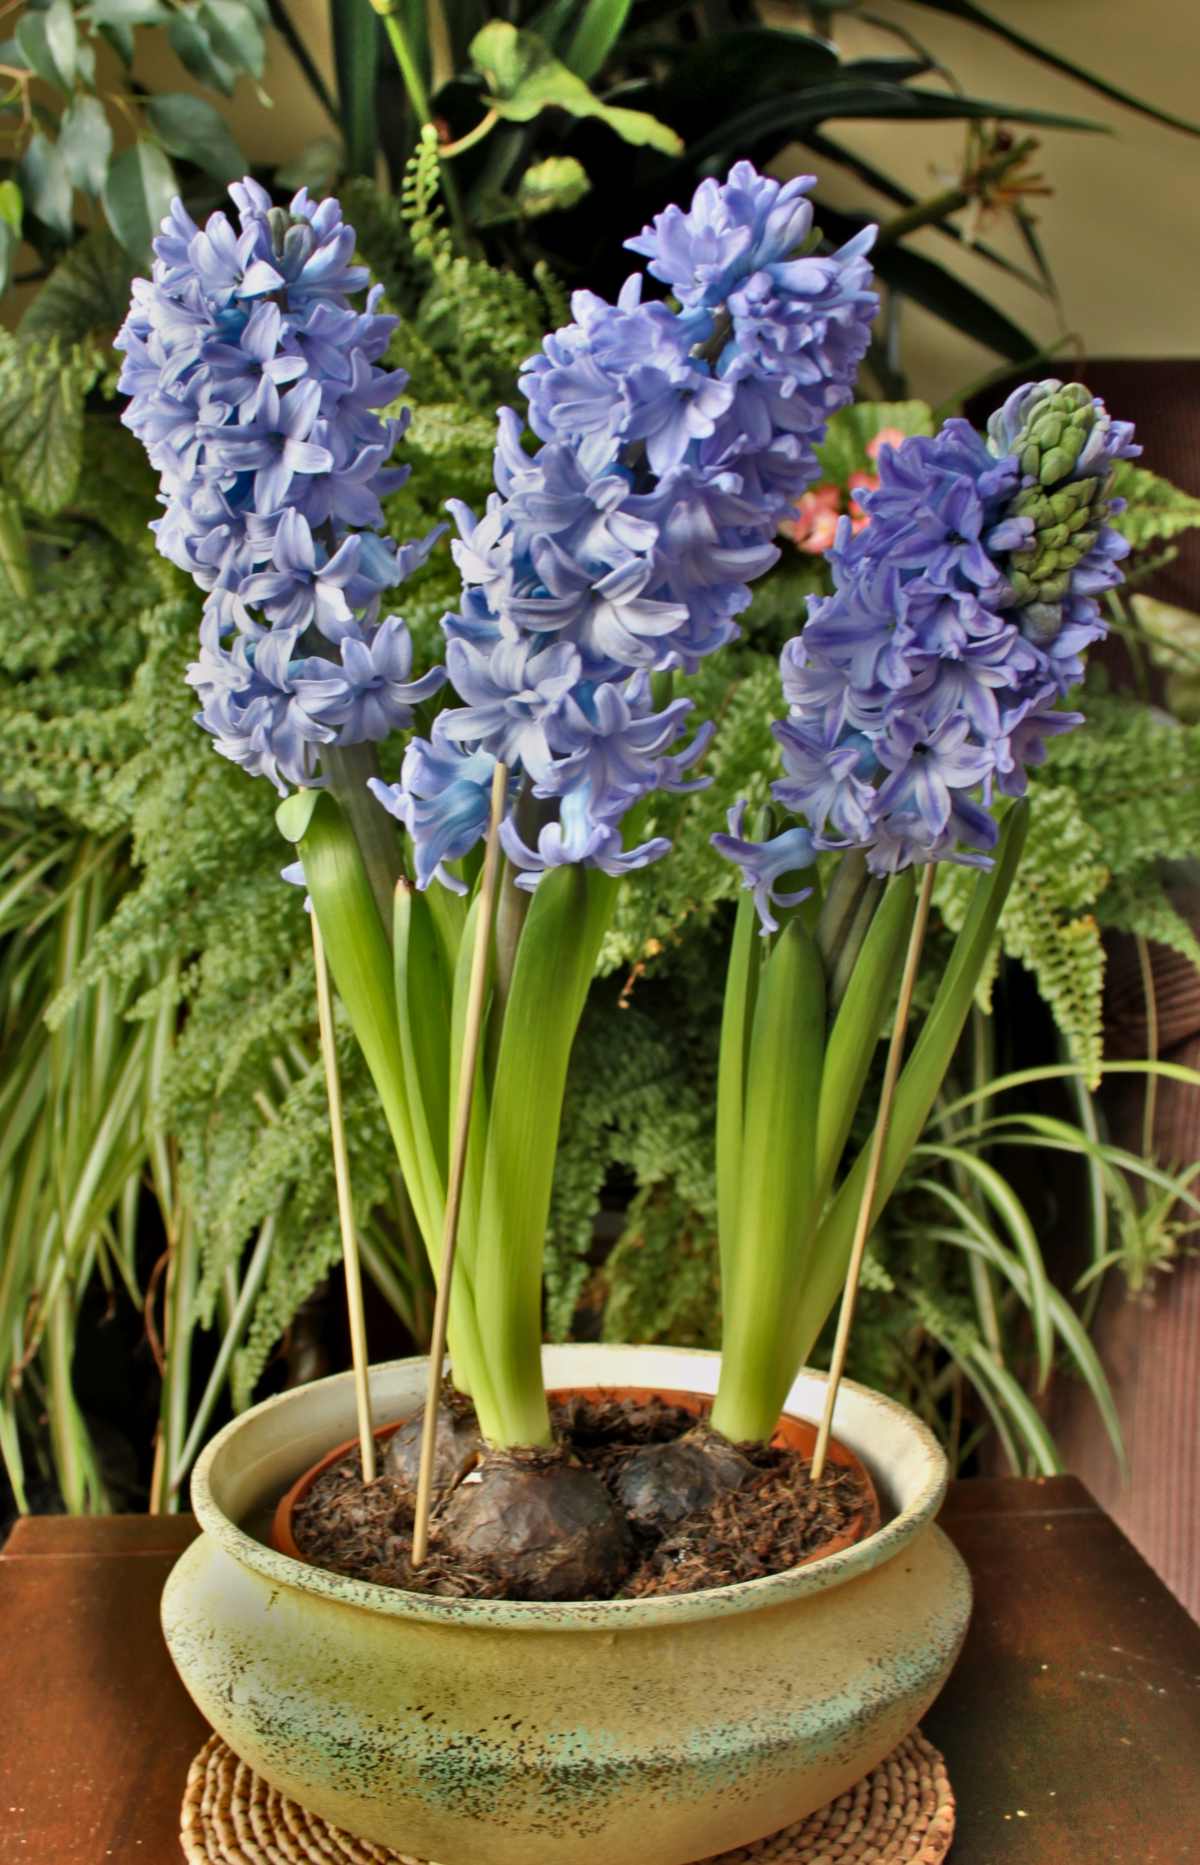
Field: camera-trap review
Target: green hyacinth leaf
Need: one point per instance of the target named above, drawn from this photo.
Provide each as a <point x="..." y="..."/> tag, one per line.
<point x="555" y="961"/>
<point x="777" y="1186"/>
<point x="920" y="1080"/>
<point x="737" y="1022"/>
<point x="858" y="1025"/>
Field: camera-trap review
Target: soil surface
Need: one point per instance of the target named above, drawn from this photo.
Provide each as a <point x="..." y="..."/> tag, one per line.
<point x="774" y="1520"/>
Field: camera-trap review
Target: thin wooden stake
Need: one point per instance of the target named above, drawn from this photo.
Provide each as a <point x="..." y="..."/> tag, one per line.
<point x="458" y="1160"/>
<point x="345" y="1204"/>
<point x="862" y="1230"/>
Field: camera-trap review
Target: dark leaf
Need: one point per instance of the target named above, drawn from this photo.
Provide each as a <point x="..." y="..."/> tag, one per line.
<point x="129" y="13"/>
<point x="137" y="195"/>
<point x="62" y="39"/>
<point x="235" y="34"/>
<point x="356" y="58"/>
<point x="595" y="36"/>
<point x="33" y="44"/>
<point x="41" y="441"/>
<point x="795" y="114"/>
<point x="744" y="67"/>
<point x="191" y="127"/>
<point x="931" y="286"/>
<point x="552" y="22"/>
<point x="192" y="46"/>
<point x="120" y="37"/>
<point x="886" y="70"/>
<point x="87" y="294"/>
<point x="46" y="185"/>
<point x="85" y="142"/>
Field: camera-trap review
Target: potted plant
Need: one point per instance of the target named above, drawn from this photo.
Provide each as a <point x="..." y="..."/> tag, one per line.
<point x="607" y="1545"/>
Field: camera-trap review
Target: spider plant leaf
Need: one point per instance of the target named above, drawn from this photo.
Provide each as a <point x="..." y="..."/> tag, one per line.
<point x="1004" y="1201"/>
<point x="1062" y="1071"/>
<point x="1019" y="1406"/>
<point x="979" y="1241"/>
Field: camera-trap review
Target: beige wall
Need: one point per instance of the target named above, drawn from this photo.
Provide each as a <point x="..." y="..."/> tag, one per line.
<point x="1122" y="227"/>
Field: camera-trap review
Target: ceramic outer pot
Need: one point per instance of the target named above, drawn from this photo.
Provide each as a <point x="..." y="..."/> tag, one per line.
<point x="617" y="1732"/>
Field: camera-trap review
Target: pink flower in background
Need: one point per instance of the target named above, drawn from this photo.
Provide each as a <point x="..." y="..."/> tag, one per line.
<point x="815" y="524"/>
<point x="814" y="527"/>
<point x="886" y="437"/>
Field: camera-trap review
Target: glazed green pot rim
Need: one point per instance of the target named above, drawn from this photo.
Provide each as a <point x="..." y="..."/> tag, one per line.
<point x="586" y="1615"/>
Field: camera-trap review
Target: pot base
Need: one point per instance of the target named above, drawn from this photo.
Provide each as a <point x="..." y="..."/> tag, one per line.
<point x="902" y="1813"/>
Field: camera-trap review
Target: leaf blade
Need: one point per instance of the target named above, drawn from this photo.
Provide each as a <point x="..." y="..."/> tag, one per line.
<point x="137" y="197"/>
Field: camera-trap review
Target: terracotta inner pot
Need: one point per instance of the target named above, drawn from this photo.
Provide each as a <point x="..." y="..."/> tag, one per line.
<point x="797" y="1434"/>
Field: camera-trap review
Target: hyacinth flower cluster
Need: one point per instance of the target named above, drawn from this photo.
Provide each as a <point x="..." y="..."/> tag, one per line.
<point x="673" y="439"/>
<point x="932" y="677"/>
<point x="256" y="388"/>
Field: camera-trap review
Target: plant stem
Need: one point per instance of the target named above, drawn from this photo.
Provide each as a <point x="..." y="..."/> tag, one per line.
<point x="483" y="128"/>
<point x="458" y="1159"/>
<point x="345" y="1205"/>
<point x="414" y="84"/>
<point x="846" y="959"/>
<point x="938" y="207"/>
<point x="348" y="768"/>
<point x="839" y="907"/>
<point x="862" y="1228"/>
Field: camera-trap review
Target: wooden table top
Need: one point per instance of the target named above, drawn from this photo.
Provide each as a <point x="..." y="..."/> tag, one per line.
<point x="1071" y="1724"/>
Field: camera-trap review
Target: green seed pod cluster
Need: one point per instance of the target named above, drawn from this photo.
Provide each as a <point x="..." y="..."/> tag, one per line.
<point x="1057" y="421"/>
<point x="1066" y="524"/>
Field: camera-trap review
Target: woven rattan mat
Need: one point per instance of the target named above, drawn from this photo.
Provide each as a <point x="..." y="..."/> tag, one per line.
<point x="901" y="1814"/>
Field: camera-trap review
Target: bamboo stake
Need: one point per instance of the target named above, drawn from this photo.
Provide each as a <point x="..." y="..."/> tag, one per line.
<point x="862" y="1229"/>
<point x="458" y="1160"/>
<point x="345" y="1204"/>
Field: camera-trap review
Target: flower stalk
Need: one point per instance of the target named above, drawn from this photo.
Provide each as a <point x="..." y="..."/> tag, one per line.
<point x="480" y="958"/>
<point x="862" y="1229"/>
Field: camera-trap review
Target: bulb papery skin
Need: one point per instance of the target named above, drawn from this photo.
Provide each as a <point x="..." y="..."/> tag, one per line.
<point x="672" y="443"/>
